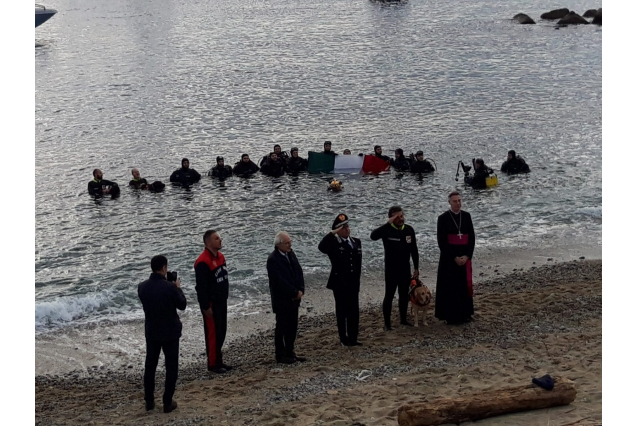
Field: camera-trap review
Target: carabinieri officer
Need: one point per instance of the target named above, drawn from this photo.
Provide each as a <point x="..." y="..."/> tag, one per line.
<point x="344" y="252"/>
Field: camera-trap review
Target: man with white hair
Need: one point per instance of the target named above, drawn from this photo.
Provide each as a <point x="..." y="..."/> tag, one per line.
<point x="285" y="279"/>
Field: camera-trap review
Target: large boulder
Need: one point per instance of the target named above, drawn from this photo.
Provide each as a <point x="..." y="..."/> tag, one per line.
<point x="555" y="14"/>
<point x="598" y="18"/>
<point x="572" y="18"/>
<point x="523" y="19"/>
<point x="590" y="13"/>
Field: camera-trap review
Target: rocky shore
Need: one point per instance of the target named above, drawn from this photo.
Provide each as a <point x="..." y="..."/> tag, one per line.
<point x="546" y="319"/>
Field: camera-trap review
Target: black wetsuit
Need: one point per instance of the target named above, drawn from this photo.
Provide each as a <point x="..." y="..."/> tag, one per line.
<point x="401" y="164"/>
<point x="140" y="183"/>
<point x="399" y="245"/>
<point x="245" y="169"/>
<point x="383" y="157"/>
<point x="273" y="168"/>
<point x="478" y="180"/>
<point x="185" y="176"/>
<point x="96" y="187"/>
<point x="515" y="166"/>
<point x="344" y="281"/>
<point x="421" y="167"/>
<point x="297" y="164"/>
<point x="221" y="172"/>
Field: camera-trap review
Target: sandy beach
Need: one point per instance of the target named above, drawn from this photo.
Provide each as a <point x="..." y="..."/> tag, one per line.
<point x="546" y="319"/>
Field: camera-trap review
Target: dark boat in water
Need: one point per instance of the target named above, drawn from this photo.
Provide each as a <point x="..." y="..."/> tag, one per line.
<point x="42" y="14"/>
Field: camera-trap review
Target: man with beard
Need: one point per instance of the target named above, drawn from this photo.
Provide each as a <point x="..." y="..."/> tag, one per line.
<point x="456" y="239"/>
<point x="344" y="252"/>
<point x="514" y="164"/>
<point x="99" y="186"/>
<point x="378" y="152"/>
<point x="282" y="156"/>
<point x="327" y="148"/>
<point x="185" y="175"/>
<point x="295" y="163"/>
<point x="221" y="171"/>
<point x="399" y="244"/>
<point x="273" y="167"/>
<point x="245" y="167"/>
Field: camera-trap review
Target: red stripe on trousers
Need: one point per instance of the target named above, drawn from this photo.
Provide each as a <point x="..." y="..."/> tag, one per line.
<point x="212" y="340"/>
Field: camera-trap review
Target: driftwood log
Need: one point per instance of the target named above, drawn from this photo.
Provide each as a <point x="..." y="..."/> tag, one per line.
<point x="486" y="404"/>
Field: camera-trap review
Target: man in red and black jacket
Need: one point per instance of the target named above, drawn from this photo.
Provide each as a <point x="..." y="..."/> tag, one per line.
<point x="212" y="294"/>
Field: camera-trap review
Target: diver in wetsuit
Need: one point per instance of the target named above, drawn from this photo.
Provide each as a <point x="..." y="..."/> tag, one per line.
<point x="220" y="170"/>
<point x="273" y="166"/>
<point x="295" y="163"/>
<point x="245" y="167"/>
<point x="481" y="171"/>
<point x="185" y="175"/>
<point x="400" y="163"/>
<point x="514" y="164"/>
<point x="99" y="186"/>
<point x="421" y="165"/>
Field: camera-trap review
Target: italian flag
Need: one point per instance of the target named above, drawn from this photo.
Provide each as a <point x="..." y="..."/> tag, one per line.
<point x="318" y="162"/>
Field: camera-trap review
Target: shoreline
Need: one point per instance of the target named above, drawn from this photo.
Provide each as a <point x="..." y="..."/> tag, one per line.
<point x="115" y="345"/>
<point x="527" y="323"/>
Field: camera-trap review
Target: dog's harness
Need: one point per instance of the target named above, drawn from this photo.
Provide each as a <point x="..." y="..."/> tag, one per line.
<point x="414" y="284"/>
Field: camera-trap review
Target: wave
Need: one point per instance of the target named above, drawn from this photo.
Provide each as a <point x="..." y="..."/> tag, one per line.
<point x="67" y="309"/>
<point x="591" y="211"/>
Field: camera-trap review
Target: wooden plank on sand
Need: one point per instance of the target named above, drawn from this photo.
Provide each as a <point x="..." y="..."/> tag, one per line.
<point x="485" y="404"/>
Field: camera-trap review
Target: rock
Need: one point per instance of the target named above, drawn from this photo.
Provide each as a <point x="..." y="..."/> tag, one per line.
<point x="572" y="18"/>
<point x="555" y="14"/>
<point x="590" y="13"/>
<point x="523" y="19"/>
<point x="582" y="257"/>
<point x="598" y="18"/>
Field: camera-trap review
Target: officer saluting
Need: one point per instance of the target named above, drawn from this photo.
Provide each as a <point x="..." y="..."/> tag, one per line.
<point x="344" y="252"/>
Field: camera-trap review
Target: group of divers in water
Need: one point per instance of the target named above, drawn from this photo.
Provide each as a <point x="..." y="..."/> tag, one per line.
<point x="279" y="162"/>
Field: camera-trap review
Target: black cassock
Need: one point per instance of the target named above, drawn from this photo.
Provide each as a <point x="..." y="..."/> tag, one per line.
<point x="454" y="292"/>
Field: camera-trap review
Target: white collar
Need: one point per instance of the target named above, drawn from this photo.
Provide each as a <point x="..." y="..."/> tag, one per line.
<point x="282" y="253"/>
<point x="344" y="239"/>
<point x="456" y="213"/>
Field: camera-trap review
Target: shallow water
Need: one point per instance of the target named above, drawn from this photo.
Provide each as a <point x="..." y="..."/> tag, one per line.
<point x="135" y="84"/>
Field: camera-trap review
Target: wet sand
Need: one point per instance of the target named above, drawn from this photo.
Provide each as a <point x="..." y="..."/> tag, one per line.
<point x="527" y="323"/>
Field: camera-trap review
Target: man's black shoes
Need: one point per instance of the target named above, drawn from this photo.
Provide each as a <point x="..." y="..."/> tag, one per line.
<point x="217" y="370"/>
<point x="150" y="405"/>
<point x="298" y="358"/>
<point x="226" y="367"/>
<point x="169" y="408"/>
<point x="286" y="360"/>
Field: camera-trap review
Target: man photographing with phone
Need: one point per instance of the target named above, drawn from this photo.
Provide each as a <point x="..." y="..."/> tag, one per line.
<point x="160" y="299"/>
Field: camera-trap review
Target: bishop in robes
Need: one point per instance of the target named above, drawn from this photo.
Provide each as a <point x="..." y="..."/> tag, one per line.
<point x="455" y="236"/>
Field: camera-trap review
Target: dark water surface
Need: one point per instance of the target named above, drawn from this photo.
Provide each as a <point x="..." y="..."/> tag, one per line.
<point x="125" y="84"/>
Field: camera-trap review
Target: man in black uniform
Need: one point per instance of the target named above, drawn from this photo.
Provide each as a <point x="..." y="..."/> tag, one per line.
<point x="273" y="167"/>
<point x="378" y="152"/>
<point x="295" y="163"/>
<point x="285" y="279"/>
<point x="400" y="163"/>
<point x="481" y="171"/>
<point x="220" y="170"/>
<point x="211" y="278"/>
<point x="245" y="167"/>
<point x="185" y="175"/>
<point x="99" y="186"/>
<point x="399" y="243"/>
<point x="420" y="165"/>
<point x="344" y="252"/>
<point x="514" y="164"/>
<point x="160" y="299"/>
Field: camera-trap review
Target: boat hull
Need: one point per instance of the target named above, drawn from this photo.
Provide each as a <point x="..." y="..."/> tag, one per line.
<point x="43" y="15"/>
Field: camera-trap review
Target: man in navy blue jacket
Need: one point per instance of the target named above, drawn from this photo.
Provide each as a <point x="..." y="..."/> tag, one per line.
<point x="285" y="279"/>
<point x="161" y="299"/>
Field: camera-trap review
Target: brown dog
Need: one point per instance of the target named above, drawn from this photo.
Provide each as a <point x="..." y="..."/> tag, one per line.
<point x="420" y="298"/>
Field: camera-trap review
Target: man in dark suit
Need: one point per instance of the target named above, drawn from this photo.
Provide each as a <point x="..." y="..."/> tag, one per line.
<point x="160" y="299"/>
<point x="285" y="279"/>
<point x="344" y="252"/>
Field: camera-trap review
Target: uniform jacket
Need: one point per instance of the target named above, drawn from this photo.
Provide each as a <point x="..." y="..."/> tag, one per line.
<point x="346" y="262"/>
<point x="211" y="278"/>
